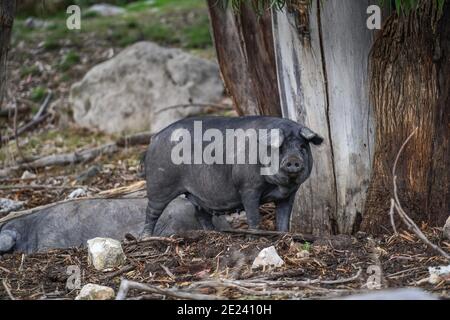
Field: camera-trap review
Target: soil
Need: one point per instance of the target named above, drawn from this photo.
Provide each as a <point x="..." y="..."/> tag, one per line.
<point x="403" y="260"/>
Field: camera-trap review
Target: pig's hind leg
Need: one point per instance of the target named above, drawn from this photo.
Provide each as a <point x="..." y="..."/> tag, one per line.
<point x="205" y="219"/>
<point x="153" y="212"/>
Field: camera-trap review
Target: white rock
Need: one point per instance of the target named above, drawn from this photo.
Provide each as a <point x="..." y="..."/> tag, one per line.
<point x="105" y="253"/>
<point x="105" y="10"/>
<point x="437" y="274"/>
<point x="268" y="257"/>
<point x="95" y="292"/>
<point x="132" y="91"/>
<point x="447" y="229"/>
<point x="77" y="193"/>
<point x="28" y="175"/>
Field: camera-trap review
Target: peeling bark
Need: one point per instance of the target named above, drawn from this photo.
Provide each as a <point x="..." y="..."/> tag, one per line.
<point x="410" y="81"/>
<point x="244" y="46"/>
<point x="322" y="71"/>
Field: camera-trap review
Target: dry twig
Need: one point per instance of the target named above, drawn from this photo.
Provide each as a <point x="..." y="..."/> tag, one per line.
<point x="405" y="218"/>
<point x="127" y="285"/>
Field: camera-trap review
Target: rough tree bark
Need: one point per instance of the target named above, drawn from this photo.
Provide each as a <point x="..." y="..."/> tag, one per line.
<point x="7" y="10"/>
<point x="244" y="46"/>
<point x="322" y="50"/>
<point x="410" y="87"/>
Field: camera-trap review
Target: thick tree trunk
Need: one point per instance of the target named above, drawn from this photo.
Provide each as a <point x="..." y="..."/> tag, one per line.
<point x="410" y="85"/>
<point x="244" y="46"/>
<point x="7" y="10"/>
<point x="322" y="55"/>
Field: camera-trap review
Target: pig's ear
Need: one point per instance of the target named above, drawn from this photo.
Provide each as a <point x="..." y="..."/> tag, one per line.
<point x="311" y="136"/>
<point x="274" y="138"/>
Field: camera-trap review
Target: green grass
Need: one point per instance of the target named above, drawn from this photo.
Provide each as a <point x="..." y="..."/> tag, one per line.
<point x="33" y="70"/>
<point x="181" y="23"/>
<point x="38" y="94"/>
<point x="69" y="60"/>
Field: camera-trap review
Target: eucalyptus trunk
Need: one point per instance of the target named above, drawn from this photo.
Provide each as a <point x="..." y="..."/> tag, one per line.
<point x="410" y="87"/>
<point x="7" y="10"/>
<point x="245" y="51"/>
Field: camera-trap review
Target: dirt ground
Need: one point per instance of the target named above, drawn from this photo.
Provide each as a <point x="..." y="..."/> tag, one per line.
<point x="219" y="264"/>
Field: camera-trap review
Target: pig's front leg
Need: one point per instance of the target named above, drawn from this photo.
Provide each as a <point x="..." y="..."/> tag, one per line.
<point x="283" y="213"/>
<point x="250" y="201"/>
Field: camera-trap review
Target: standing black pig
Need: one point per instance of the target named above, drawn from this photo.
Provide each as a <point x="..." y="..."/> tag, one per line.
<point x="223" y="188"/>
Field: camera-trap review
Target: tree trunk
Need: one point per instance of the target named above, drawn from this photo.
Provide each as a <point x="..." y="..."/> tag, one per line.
<point x="410" y="87"/>
<point x="244" y="46"/>
<point x="7" y="10"/>
<point x="322" y="54"/>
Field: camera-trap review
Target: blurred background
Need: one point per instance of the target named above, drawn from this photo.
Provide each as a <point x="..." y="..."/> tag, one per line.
<point x="133" y="67"/>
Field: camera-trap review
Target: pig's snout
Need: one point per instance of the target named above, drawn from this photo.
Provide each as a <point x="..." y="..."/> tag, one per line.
<point x="292" y="165"/>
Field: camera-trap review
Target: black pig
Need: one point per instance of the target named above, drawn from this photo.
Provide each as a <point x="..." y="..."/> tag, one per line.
<point x="222" y="188"/>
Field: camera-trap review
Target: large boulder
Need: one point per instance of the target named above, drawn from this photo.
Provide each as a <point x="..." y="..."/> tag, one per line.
<point x="132" y="91"/>
<point x="71" y="224"/>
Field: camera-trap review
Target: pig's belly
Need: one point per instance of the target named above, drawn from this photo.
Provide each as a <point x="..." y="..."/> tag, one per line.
<point x="216" y="204"/>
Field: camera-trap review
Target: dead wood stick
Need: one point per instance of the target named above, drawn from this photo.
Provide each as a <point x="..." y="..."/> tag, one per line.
<point x="127" y="285"/>
<point x="114" y="274"/>
<point x="261" y="283"/>
<point x="265" y="233"/>
<point x="37" y="187"/>
<point x="198" y="105"/>
<point x="403" y="215"/>
<point x="40" y="116"/>
<point x="10" y="111"/>
<point x="63" y="159"/>
<point x="154" y="239"/>
<point x="142" y="138"/>
<point x="8" y="290"/>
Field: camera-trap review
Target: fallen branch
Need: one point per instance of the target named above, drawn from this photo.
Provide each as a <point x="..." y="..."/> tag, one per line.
<point x="405" y="218"/>
<point x="63" y="159"/>
<point x="8" y="290"/>
<point x="39" y="117"/>
<point x="265" y="233"/>
<point x="119" y="272"/>
<point x="8" y="112"/>
<point x="196" y="105"/>
<point x="261" y="287"/>
<point x="127" y="285"/>
<point x="142" y="138"/>
<point x="155" y="239"/>
<point x="37" y="187"/>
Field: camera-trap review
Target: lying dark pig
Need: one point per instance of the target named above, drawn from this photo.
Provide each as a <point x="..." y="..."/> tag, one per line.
<point x="72" y="223"/>
<point x="197" y="157"/>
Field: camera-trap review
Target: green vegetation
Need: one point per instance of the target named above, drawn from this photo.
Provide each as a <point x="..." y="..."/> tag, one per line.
<point x="182" y="23"/>
<point x="30" y="70"/>
<point x="69" y="59"/>
<point x="38" y="94"/>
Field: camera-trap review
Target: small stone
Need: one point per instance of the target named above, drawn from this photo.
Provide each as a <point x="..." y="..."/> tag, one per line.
<point x="28" y="175"/>
<point x="268" y="257"/>
<point x="105" y="254"/>
<point x="438" y="274"/>
<point x="77" y="193"/>
<point x="446" y="230"/>
<point x="95" y="292"/>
